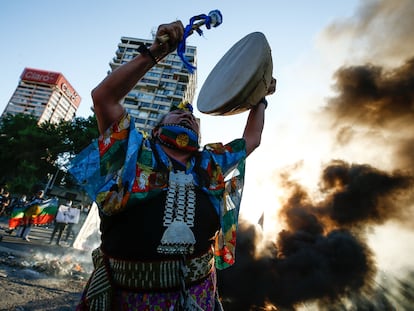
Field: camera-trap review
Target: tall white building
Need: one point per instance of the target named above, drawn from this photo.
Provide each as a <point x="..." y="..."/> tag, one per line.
<point x="166" y="84"/>
<point x="46" y="95"/>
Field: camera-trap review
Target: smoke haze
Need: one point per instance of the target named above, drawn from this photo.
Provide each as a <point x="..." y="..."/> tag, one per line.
<point x="322" y="256"/>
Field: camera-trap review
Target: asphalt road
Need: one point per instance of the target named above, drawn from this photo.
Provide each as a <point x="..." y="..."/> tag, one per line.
<point x="39" y="241"/>
<point x="38" y="276"/>
<point x="39" y="251"/>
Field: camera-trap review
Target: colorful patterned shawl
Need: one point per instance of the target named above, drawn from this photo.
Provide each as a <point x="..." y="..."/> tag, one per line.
<point x="120" y="167"/>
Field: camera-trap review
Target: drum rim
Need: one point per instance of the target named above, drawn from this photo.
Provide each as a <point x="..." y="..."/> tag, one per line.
<point x="236" y="101"/>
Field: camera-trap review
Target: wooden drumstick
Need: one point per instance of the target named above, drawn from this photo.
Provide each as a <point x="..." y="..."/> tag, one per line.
<point x="163" y="38"/>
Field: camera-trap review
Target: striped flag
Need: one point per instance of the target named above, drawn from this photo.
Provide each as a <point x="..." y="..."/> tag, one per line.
<point x="46" y="213"/>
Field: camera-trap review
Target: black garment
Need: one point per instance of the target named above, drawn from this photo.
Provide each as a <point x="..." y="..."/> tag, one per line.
<point x="69" y="230"/>
<point x="59" y="227"/>
<point x="4" y="204"/>
<point x="136" y="232"/>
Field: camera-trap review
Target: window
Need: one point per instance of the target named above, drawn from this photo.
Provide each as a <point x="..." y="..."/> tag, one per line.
<point x="138" y="120"/>
<point x="162" y="99"/>
<point x="153" y="115"/>
<point x="167" y="76"/>
<point x="165" y="108"/>
<point x="152" y="123"/>
<point x="144" y="80"/>
<point x="190" y="50"/>
<point x="130" y="102"/>
<point x="152" y="74"/>
<point x="143" y="114"/>
<point x="144" y="105"/>
<point x="146" y="96"/>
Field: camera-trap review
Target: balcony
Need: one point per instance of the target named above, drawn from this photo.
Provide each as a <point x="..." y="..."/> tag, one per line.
<point x="181" y="76"/>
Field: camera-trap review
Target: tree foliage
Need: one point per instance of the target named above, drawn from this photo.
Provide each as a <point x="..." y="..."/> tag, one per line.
<point x="31" y="153"/>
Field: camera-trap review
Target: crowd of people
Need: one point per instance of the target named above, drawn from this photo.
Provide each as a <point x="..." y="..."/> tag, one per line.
<point x="21" y="212"/>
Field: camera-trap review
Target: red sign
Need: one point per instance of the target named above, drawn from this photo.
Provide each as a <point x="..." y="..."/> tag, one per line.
<point x="70" y="92"/>
<point x="48" y="77"/>
<point x="53" y="78"/>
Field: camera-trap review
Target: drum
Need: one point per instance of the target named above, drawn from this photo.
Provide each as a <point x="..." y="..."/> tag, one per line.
<point x="240" y="79"/>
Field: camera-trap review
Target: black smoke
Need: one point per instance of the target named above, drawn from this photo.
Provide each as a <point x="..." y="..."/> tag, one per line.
<point x="322" y="256"/>
<point x="376" y="103"/>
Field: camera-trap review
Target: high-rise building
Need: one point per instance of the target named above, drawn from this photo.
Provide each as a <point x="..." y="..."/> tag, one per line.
<point x="167" y="83"/>
<point x="46" y="95"/>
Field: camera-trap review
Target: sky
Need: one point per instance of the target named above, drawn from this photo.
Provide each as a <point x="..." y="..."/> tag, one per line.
<point x="80" y="39"/>
<point x="341" y="118"/>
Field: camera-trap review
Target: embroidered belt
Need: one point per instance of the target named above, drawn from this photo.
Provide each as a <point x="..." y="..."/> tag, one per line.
<point x="137" y="276"/>
<point x="164" y="274"/>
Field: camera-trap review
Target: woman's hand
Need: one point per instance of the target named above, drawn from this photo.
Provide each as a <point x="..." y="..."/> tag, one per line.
<point x="272" y="87"/>
<point x="167" y="38"/>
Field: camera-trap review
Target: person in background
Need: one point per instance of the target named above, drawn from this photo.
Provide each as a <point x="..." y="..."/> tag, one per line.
<point x="30" y="214"/>
<point x="4" y="203"/>
<point x="168" y="216"/>
<point x="72" y="224"/>
<point x="61" y="222"/>
<point x="21" y="202"/>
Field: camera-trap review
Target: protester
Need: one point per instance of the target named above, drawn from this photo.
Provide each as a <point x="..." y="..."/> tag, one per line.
<point x="21" y="202"/>
<point x="167" y="215"/>
<point x="61" y="221"/>
<point x="4" y="202"/>
<point x="72" y="224"/>
<point x="30" y="214"/>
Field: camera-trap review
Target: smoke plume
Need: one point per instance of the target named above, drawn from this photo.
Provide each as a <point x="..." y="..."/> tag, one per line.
<point x="322" y="255"/>
<point x="380" y="32"/>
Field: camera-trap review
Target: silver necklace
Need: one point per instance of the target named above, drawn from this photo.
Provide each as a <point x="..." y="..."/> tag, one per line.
<point x="179" y="213"/>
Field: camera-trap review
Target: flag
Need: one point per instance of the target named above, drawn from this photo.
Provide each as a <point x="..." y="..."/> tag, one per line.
<point x="46" y="213"/>
<point x="16" y="217"/>
<point x="261" y="221"/>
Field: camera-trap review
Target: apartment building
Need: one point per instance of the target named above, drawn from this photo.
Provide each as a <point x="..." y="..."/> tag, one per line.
<point x="166" y="84"/>
<point x="46" y="95"/>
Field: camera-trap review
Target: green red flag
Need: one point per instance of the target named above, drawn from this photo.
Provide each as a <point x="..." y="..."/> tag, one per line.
<point x="46" y="213"/>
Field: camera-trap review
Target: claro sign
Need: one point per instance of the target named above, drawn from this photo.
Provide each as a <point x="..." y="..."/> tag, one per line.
<point x="70" y="92"/>
<point x="53" y="78"/>
<point x="48" y="77"/>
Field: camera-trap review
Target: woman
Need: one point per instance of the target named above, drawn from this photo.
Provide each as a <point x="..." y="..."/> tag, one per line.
<point x="168" y="218"/>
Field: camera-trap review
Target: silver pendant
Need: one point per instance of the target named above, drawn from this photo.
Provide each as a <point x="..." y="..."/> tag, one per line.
<point x="178" y="239"/>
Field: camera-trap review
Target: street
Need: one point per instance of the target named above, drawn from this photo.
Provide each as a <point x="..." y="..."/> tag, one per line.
<point x="37" y="275"/>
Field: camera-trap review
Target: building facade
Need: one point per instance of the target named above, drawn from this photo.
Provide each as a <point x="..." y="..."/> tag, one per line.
<point x="167" y="83"/>
<point x="46" y="95"/>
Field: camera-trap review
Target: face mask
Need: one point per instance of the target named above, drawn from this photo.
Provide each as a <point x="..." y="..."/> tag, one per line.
<point x="178" y="137"/>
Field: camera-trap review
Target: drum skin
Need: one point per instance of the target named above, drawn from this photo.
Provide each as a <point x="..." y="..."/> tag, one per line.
<point x="240" y="79"/>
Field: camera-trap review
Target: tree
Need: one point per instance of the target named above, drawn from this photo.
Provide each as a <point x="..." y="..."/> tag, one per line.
<point x="74" y="135"/>
<point x="31" y="153"/>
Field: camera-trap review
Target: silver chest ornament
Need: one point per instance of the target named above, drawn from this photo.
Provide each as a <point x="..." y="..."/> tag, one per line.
<point x="179" y="213"/>
<point x="178" y="239"/>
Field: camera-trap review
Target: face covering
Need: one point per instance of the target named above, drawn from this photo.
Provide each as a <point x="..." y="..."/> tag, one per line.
<point x="178" y="137"/>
